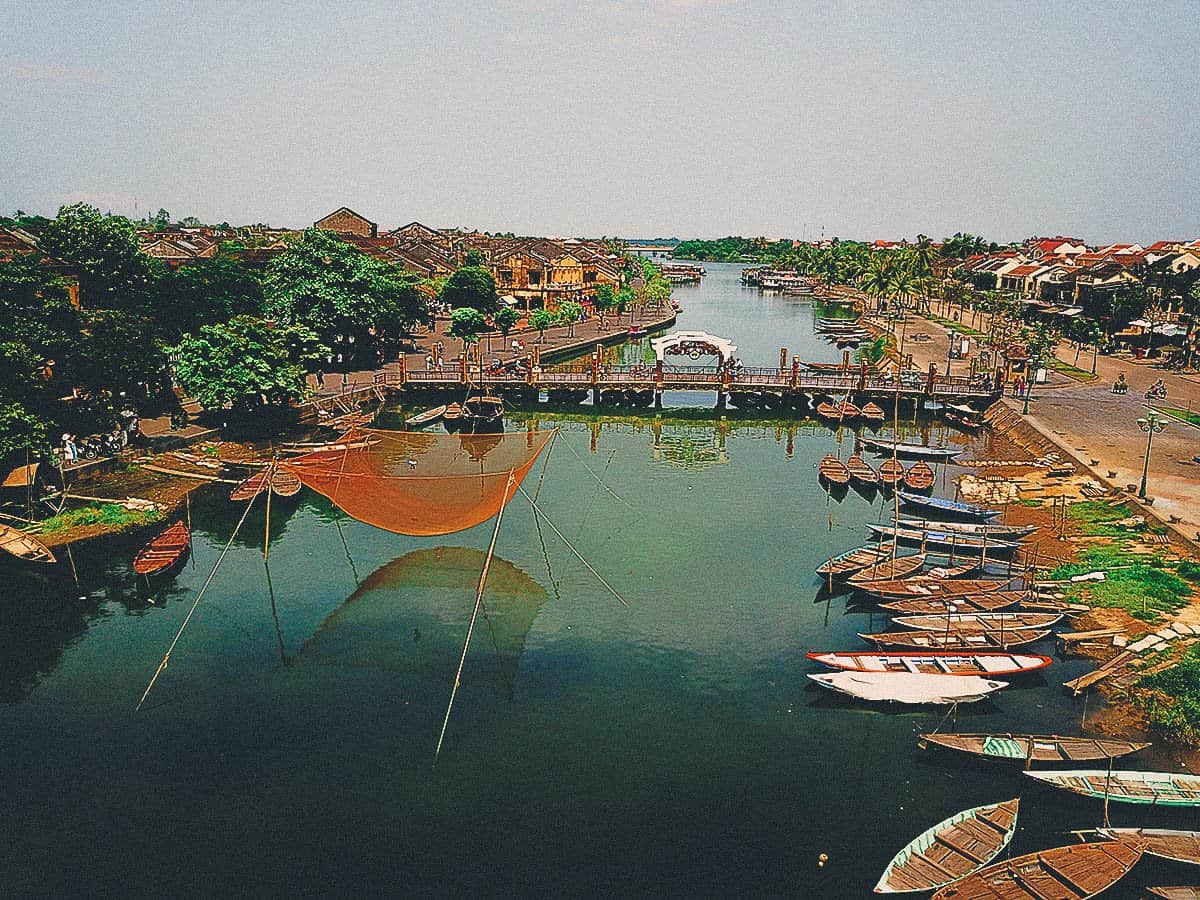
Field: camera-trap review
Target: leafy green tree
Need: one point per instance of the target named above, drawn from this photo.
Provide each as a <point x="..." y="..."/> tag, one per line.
<point x="118" y="352"/>
<point x="350" y="300"/>
<point x="504" y="319"/>
<point x="569" y="312"/>
<point x="161" y="220"/>
<point x="206" y="292"/>
<point x="104" y="250"/>
<point x="474" y="258"/>
<point x="246" y="363"/>
<point x="21" y="430"/>
<point x="466" y="324"/>
<point x="625" y="299"/>
<point x="604" y="299"/>
<point x="541" y="319"/>
<point x="471" y="286"/>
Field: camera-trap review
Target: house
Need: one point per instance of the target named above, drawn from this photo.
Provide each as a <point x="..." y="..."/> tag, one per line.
<point x="415" y="231"/>
<point x="16" y="242"/>
<point x="347" y="221"/>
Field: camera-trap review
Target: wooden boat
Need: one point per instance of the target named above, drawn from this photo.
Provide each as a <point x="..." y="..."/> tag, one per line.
<point x="957" y="640"/>
<point x="452" y="416"/>
<point x="861" y="471"/>
<point x="1032" y="747"/>
<point x="993" y="602"/>
<point x="889" y="569"/>
<point x="939" y="588"/>
<point x="163" y="552"/>
<point x="919" y="477"/>
<point x="1147" y="788"/>
<point x="952" y="849"/>
<point x="1176" y="892"/>
<point x="912" y="451"/>
<point x="963" y="416"/>
<point x="855" y="560"/>
<point x="991" y="529"/>
<point x="829" y="412"/>
<point x="979" y="621"/>
<point x="1064" y="873"/>
<point x="948" y="508"/>
<point x="833" y="470"/>
<point x="1166" y="843"/>
<point x="991" y="665"/>
<point x="23" y="546"/>
<point x="957" y="571"/>
<point x="891" y="473"/>
<point x="284" y="483"/>
<point x="872" y="413"/>
<point x="848" y="409"/>
<point x="482" y="412"/>
<point x="949" y="540"/>
<point x="905" y="687"/>
<point x="430" y="415"/>
<point x="250" y="487"/>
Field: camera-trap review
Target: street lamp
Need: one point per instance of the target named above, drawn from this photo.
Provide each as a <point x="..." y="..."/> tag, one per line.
<point x="1152" y="425"/>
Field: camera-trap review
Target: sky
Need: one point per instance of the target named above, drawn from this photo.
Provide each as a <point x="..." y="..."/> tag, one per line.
<point x="692" y="118"/>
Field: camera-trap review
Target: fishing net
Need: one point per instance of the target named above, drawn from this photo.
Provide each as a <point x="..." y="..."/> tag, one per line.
<point x="420" y="484"/>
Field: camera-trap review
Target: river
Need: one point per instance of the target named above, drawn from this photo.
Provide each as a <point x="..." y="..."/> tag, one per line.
<point x="671" y="748"/>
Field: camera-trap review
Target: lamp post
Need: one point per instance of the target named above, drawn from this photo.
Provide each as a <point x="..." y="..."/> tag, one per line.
<point x="1030" y="370"/>
<point x="1151" y="425"/>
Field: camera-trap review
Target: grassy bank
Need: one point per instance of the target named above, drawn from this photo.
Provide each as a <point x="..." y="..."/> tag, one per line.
<point x="1170" y="699"/>
<point x="113" y="516"/>
<point x="1183" y="415"/>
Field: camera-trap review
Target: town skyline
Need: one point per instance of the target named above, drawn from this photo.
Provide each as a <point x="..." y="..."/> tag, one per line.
<point x="693" y="119"/>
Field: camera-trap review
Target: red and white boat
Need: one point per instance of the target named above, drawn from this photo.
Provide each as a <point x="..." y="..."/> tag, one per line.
<point x="986" y="664"/>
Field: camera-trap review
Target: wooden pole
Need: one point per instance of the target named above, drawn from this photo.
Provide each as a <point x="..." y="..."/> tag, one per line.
<point x="71" y="559"/>
<point x="267" y="529"/>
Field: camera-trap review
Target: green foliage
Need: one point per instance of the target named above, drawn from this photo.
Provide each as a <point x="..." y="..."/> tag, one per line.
<point x="118" y="353"/>
<point x="471" y="286"/>
<point x="605" y="298"/>
<point x="246" y="363"/>
<point x="1171" y="699"/>
<point x="731" y="249"/>
<point x="1189" y="570"/>
<point x="474" y="258"/>
<point x="874" y="352"/>
<point x="329" y="287"/>
<point x="21" y="430"/>
<point x="505" y="318"/>
<point x="625" y="299"/>
<point x="466" y="324"/>
<point x="104" y="250"/>
<point x="569" y="313"/>
<point x="206" y="292"/>
<point x="109" y="514"/>
<point x="1137" y="583"/>
<point x="541" y="319"/>
<point x="1099" y="518"/>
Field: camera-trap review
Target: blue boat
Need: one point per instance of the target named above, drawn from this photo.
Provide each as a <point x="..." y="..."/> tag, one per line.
<point x="948" y="507"/>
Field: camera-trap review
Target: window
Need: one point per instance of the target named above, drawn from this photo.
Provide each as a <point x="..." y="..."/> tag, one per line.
<point x="535" y="276"/>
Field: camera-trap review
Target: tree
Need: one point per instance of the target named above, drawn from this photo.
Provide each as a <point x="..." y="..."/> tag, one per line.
<point x="474" y="258"/>
<point x="21" y="430"/>
<point x="118" y="352"/>
<point x="206" y="292"/>
<point x="569" y="312"/>
<point x="541" y="319"/>
<point x="349" y="299"/>
<point x="161" y="220"/>
<point x="471" y="286"/>
<point x="104" y="250"/>
<point x="246" y="363"/>
<point x="625" y="299"/>
<point x="466" y="324"/>
<point x="505" y="318"/>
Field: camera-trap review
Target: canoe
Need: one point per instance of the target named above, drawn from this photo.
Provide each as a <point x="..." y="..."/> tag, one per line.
<point x="993" y="602"/>
<point x="1064" y="873"/>
<point x="482" y="410"/>
<point x="1167" y="843"/>
<point x="948" y="507"/>
<point x="1176" y="892"/>
<point x="956" y="640"/>
<point x="891" y="472"/>
<point x="1146" y="788"/>
<point x="905" y="687"/>
<point x="991" y="529"/>
<point x="1046" y="747"/>
<point x="284" y="483"/>
<point x="829" y="412"/>
<point x="914" y="451"/>
<point x="889" y="569"/>
<point x="953" y="540"/>
<point x="251" y="487"/>
<point x="430" y="415"/>
<point x="904" y="588"/>
<point x="952" y="849"/>
<point x="833" y="470"/>
<point x="979" y="621"/>
<point x="919" y="477"/>
<point x="164" y="551"/>
<point x="848" y="410"/>
<point x="934" y="663"/>
<point x="452" y="415"/>
<point x="22" y="546"/>
<point x="861" y="471"/>
<point x="852" y="561"/>
<point x="872" y="413"/>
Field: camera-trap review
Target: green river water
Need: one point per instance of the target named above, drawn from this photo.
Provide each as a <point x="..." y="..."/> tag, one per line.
<point x="671" y="748"/>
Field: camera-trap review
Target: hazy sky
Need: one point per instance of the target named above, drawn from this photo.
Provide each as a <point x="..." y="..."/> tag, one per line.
<point x="664" y="117"/>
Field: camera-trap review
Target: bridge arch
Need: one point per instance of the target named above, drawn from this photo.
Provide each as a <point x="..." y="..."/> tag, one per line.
<point x="693" y="344"/>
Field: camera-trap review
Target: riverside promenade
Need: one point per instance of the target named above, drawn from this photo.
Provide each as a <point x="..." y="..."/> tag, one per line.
<point x="1097" y="428"/>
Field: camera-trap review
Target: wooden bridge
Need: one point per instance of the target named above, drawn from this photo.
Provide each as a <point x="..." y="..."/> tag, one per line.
<point x="784" y="385"/>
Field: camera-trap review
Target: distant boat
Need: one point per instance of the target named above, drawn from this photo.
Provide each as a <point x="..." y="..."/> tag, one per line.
<point x="951" y="507"/>
<point x="919" y="477"/>
<point x="452" y="416"/>
<point x="829" y="412"/>
<point x="284" y="483"/>
<point x="163" y="552"/>
<point x="848" y="409"/>
<point x="891" y="472"/>
<point x="956" y="640"/>
<point x="482" y="413"/>
<point x="1032" y="747"/>
<point x="861" y="471"/>
<point x="895" y="687"/>
<point x="952" y="540"/>
<point x="23" y="546"/>
<point x="978" y="621"/>
<point x="872" y="413"/>
<point x="933" y="588"/>
<point x="1146" y="788"/>
<point x="889" y="569"/>
<point x="915" y="451"/>
<point x="993" y="602"/>
<point x="931" y="662"/>
<point x="833" y="470"/>
<point x="430" y="415"/>
<point x="1166" y="843"/>
<point x="991" y="529"/>
<point x="855" y="560"/>
<point x="963" y="416"/>
<point x="1064" y="873"/>
<point x="952" y="849"/>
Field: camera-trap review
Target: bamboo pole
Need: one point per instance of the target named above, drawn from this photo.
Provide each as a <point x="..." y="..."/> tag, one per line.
<point x="267" y="477"/>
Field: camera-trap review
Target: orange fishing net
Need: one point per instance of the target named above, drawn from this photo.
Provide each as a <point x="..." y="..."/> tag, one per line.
<point x="417" y="483"/>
